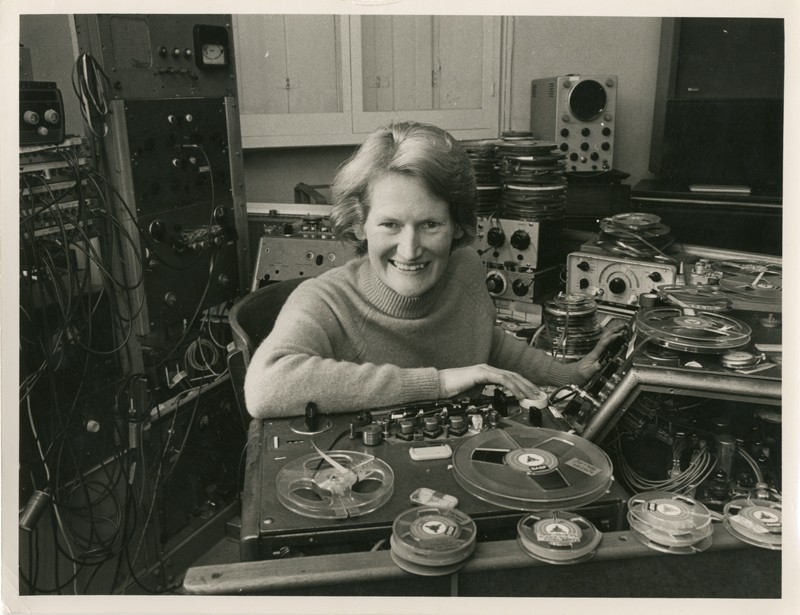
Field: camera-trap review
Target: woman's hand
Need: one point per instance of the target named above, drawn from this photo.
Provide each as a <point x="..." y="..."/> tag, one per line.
<point x="457" y="380"/>
<point x="590" y="364"/>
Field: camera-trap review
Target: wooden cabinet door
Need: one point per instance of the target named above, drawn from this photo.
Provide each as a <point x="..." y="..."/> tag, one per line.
<point x="293" y="78"/>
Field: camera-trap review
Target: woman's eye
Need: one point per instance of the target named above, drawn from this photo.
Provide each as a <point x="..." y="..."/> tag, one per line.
<point x="432" y="224"/>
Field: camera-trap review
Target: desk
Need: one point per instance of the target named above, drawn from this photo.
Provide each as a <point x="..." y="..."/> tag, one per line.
<point x="621" y="567"/>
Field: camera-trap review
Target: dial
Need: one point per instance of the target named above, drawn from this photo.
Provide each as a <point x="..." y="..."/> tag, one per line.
<point x="211" y="48"/>
<point x="213" y="53"/>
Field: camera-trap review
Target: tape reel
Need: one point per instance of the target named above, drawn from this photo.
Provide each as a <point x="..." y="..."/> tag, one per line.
<point x="698" y="297"/>
<point x="756" y="522"/>
<point x="430" y="541"/>
<point x="558" y="537"/>
<point x="636" y="220"/>
<point x="313" y="487"/>
<point x="700" y="332"/>
<point x="530" y="468"/>
<point x="670" y="522"/>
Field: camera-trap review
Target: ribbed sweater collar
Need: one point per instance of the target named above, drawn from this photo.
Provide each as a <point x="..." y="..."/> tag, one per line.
<point x="393" y="304"/>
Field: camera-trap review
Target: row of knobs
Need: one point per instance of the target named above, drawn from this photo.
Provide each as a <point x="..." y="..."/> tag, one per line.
<point x="616" y="285"/>
<point x="51" y="116"/>
<point x="585" y="132"/>
<point x="496" y="284"/>
<point x="520" y="240"/>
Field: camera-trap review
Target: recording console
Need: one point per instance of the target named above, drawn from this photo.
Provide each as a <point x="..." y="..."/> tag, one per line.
<point x="482" y="459"/>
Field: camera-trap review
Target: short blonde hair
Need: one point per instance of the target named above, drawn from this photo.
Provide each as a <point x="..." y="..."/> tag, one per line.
<point x="410" y="148"/>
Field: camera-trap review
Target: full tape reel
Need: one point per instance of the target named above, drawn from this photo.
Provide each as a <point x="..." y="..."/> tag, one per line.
<point x="533" y="469"/>
<point x="355" y="484"/>
<point x="702" y="332"/>
<point x="756" y="522"/>
<point x="430" y="541"/>
<point x="558" y="537"/>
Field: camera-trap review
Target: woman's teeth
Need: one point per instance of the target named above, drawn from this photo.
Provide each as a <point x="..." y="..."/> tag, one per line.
<point x="409" y="267"/>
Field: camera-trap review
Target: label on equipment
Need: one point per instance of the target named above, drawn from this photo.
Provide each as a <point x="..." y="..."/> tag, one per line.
<point x="557" y="533"/>
<point x="582" y="466"/>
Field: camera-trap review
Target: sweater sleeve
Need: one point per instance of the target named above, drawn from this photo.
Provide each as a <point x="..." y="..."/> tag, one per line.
<point x="534" y="364"/>
<point x="309" y="358"/>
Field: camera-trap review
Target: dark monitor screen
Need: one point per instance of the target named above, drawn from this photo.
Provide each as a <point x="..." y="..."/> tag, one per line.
<point x="729" y="142"/>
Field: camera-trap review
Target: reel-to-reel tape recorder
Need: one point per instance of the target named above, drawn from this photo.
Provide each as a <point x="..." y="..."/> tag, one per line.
<point x="300" y="497"/>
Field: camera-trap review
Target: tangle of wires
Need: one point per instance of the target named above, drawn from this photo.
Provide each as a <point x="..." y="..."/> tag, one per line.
<point x="83" y="432"/>
<point x="91" y="84"/>
<point x="654" y="454"/>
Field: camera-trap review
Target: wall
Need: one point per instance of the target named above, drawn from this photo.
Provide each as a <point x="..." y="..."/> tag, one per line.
<point x="543" y="47"/>
<point x="622" y="46"/>
<point x="270" y="175"/>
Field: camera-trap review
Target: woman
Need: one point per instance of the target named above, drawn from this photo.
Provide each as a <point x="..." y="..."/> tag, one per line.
<point x="409" y="319"/>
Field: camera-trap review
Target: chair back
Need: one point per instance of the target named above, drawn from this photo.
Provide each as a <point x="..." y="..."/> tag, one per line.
<point x="251" y="319"/>
<point x="254" y="315"/>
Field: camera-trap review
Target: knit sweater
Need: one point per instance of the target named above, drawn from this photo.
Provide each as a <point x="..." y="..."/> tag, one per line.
<point x="347" y="342"/>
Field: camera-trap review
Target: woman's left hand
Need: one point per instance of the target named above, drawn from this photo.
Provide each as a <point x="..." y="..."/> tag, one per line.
<point x="590" y="364"/>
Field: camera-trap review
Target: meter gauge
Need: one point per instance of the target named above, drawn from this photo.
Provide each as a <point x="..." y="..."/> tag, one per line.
<point x="211" y="46"/>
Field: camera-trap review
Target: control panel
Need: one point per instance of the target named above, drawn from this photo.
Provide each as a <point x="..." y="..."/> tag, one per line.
<point x="616" y="280"/>
<point x="41" y="113"/>
<point x="518" y="243"/>
<point x="579" y="113"/>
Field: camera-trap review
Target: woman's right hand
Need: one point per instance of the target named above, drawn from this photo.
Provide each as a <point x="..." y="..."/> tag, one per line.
<point x="457" y="380"/>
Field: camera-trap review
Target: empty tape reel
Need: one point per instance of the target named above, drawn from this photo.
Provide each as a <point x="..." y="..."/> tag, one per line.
<point x="756" y="522"/>
<point x="698" y="297"/>
<point x="636" y="220"/>
<point x="558" y="537"/>
<point x="669" y="512"/>
<point x="432" y="541"/>
<point x="533" y="469"/>
<point x="348" y="484"/>
<point x="699" y="332"/>
<point x="670" y="522"/>
<point x="761" y="290"/>
<point x="697" y="547"/>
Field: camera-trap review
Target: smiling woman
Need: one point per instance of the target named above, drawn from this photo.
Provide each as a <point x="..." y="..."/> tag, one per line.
<point x="409" y="234"/>
<point x="410" y="319"/>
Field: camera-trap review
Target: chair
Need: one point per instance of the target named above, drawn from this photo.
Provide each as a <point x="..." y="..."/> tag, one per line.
<point x="251" y="319"/>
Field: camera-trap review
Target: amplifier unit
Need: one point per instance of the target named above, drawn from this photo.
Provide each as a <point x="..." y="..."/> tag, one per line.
<point x="611" y="279"/>
<point x="579" y="113"/>
<point x="41" y="113"/>
<point x="522" y="243"/>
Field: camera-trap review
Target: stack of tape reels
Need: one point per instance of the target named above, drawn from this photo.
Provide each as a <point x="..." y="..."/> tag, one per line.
<point x="432" y="541"/>
<point x="670" y="523"/>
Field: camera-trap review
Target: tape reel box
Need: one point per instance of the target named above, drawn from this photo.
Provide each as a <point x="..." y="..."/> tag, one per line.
<point x="298" y="497"/>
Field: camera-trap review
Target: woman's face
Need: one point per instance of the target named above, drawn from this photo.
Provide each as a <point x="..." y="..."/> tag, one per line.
<point x="409" y="234"/>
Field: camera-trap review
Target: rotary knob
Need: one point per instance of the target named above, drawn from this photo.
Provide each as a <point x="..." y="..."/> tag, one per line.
<point x="583" y="266"/>
<point x="495" y="237"/>
<point x="520" y="240"/>
<point x="520" y="287"/>
<point x="617" y="286"/>
<point x="495" y="283"/>
<point x="655" y="276"/>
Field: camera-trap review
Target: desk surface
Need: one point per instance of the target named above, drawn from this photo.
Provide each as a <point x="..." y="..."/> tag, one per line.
<point x="357" y="571"/>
